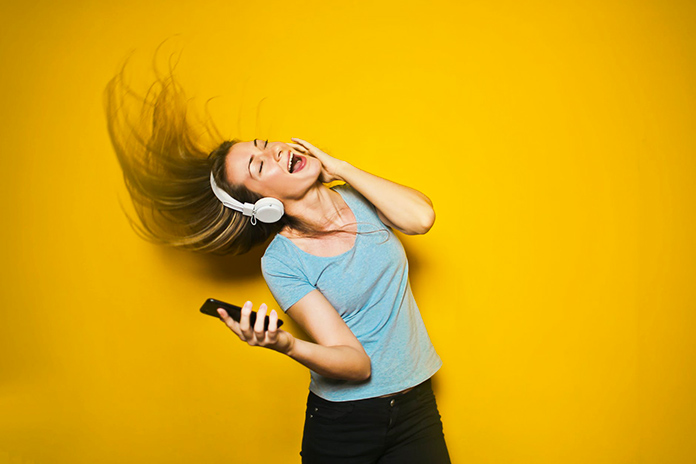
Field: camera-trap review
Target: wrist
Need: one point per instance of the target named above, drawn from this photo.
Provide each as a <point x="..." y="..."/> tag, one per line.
<point x="342" y="172"/>
<point x="288" y="347"/>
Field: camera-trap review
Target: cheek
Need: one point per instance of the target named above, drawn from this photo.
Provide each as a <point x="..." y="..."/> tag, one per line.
<point x="313" y="167"/>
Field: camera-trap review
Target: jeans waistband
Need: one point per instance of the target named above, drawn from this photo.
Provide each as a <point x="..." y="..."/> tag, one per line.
<point x="400" y="396"/>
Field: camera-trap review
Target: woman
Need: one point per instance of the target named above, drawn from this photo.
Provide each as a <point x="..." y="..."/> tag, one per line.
<point x="334" y="266"/>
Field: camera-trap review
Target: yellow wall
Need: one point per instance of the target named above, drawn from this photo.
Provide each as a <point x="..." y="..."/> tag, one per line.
<point x="555" y="139"/>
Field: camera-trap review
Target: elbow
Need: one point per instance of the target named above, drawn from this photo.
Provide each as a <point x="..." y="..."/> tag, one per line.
<point x="363" y="375"/>
<point x="427" y="218"/>
<point x="366" y="372"/>
<point x="423" y="223"/>
<point x="363" y="370"/>
<point x="427" y="221"/>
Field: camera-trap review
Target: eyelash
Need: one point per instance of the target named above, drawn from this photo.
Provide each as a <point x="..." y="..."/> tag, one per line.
<point x="265" y="144"/>
<point x="261" y="165"/>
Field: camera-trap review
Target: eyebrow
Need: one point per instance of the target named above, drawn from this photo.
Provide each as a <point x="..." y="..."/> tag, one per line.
<point x="249" y="165"/>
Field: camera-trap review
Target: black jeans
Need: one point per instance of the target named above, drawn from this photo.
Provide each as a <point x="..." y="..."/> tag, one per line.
<point x="404" y="428"/>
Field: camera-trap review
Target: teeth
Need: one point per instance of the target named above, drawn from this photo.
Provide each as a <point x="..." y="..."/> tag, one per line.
<point x="290" y="161"/>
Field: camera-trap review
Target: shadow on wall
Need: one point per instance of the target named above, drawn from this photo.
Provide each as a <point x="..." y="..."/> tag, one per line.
<point x="420" y="266"/>
<point x="225" y="270"/>
<point x="216" y="269"/>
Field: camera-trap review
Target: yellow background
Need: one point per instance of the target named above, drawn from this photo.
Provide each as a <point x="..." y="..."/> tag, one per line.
<point x="556" y="140"/>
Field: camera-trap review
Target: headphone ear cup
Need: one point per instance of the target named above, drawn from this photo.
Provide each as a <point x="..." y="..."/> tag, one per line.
<point x="269" y="210"/>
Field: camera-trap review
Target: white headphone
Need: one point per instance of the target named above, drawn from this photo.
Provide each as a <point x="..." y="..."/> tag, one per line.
<point x="266" y="210"/>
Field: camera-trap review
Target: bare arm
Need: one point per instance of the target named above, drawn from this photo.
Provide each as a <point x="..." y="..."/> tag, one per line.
<point x="337" y="353"/>
<point x="398" y="206"/>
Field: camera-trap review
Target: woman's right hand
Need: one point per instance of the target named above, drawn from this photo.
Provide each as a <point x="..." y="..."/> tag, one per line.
<point x="273" y="338"/>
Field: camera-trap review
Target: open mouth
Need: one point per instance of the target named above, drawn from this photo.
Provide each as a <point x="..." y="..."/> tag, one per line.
<point x="295" y="163"/>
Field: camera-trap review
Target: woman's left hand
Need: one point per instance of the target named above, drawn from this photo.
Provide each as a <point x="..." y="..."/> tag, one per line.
<point x="331" y="167"/>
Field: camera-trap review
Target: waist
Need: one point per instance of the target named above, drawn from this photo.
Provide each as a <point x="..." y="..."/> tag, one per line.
<point x="407" y="393"/>
<point x="402" y="392"/>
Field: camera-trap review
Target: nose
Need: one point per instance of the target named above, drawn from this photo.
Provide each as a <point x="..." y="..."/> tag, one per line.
<point x="274" y="151"/>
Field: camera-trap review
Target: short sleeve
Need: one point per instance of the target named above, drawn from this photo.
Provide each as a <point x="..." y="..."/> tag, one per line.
<point x="361" y="204"/>
<point x="287" y="284"/>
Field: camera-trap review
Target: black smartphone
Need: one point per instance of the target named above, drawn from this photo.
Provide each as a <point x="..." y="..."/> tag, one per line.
<point x="211" y="306"/>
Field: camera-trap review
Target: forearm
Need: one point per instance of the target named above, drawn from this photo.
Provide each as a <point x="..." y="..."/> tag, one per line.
<point x="337" y="362"/>
<point x="405" y="208"/>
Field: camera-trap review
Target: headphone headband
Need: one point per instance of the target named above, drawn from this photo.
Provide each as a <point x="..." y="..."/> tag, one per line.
<point x="266" y="210"/>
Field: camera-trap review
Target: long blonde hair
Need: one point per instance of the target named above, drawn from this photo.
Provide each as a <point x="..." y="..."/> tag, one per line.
<point x="166" y="167"/>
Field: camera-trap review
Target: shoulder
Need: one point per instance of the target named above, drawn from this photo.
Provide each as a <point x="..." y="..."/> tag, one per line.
<point x="278" y="254"/>
<point x="285" y="272"/>
<point x="283" y="259"/>
<point x="348" y="192"/>
<point x="362" y="208"/>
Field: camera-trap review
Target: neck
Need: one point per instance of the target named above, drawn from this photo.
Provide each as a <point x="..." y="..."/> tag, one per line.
<point x="322" y="208"/>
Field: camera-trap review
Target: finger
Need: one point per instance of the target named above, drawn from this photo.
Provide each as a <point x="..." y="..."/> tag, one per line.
<point x="298" y="147"/>
<point x="259" y="327"/>
<point x="304" y="143"/>
<point x="272" y="332"/>
<point x="273" y="321"/>
<point x="244" y="324"/>
<point x="224" y="317"/>
<point x="229" y="322"/>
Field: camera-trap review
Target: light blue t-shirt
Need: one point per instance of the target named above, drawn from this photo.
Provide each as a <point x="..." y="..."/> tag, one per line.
<point x="368" y="286"/>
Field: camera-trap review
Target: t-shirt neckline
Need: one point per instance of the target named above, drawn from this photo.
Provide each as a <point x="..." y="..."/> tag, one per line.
<point x="357" y="232"/>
